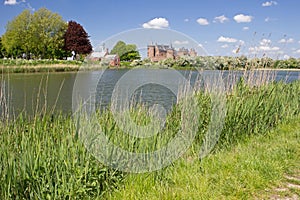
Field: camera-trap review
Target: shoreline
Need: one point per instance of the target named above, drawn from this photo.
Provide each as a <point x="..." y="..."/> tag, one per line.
<point x="277" y="69"/>
<point x="74" y="68"/>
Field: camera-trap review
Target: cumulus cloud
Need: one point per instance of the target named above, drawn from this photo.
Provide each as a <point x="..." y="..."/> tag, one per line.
<point x="186" y="20"/>
<point x="269" y="3"/>
<point x="15" y="2"/>
<point x="298" y="51"/>
<point x="10" y="2"/>
<point x="157" y="23"/>
<point x="227" y="39"/>
<point x="177" y="42"/>
<point x="263" y="48"/>
<point x="286" y="57"/>
<point x="222" y="19"/>
<point x="246" y="28"/>
<point x="265" y="42"/>
<point x="290" y="40"/>
<point x="202" y="21"/>
<point x="241" y="18"/>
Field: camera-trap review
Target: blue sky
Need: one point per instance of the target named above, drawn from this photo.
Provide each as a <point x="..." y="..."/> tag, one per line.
<point x="255" y="27"/>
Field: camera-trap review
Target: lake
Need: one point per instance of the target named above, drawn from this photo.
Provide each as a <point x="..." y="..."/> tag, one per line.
<point x="32" y="91"/>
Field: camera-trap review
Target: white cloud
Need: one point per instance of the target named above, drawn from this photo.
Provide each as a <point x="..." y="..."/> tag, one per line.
<point x="265" y="42"/>
<point x="269" y="3"/>
<point x="202" y="21"/>
<point x="224" y="46"/>
<point x="222" y="19"/>
<point x="298" y="51"/>
<point x="186" y="20"/>
<point x="227" y="39"/>
<point x="286" y="57"/>
<point x="177" y="42"/>
<point x="15" y="2"/>
<point x="246" y="28"/>
<point x="157" y="23"/>
<point x="263" y="48"/>
<point x="299" y="42"/>
<point x="10" y="2"/>
<point x="241" y="18"/>
<point x="290" y="40"/>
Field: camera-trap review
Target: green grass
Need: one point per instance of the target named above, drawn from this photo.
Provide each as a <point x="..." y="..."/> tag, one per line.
<point x="243" y="172"/>
<point x="30" y="66"/>
<point x="42" y="157"/>
<point x="27" y="63"/>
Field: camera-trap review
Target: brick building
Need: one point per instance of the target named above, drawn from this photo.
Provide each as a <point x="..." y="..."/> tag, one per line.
<point x="104" y="57"/>
<point x="161" y="52"/>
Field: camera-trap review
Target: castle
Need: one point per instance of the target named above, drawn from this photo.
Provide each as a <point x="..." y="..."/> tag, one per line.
<point x="161" y="52"/>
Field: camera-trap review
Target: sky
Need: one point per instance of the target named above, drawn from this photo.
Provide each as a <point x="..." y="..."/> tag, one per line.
<point x="253" y="28"/>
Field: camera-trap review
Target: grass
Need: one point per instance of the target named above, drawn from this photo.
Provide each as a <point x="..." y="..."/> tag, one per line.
<point x="32" y="66"/>
<point x="41" y="159"/>
<point x="29" y="66"/>
<point x="45" y="158"/>
<point x="213" y="63"/>
<point x="243" y="172"/>
<point x="28" y="63"/>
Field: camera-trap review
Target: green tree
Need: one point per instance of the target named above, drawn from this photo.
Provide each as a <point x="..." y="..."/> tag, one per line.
<point x="40" y="34"/>
<point x="130" y="56"/>
<point x="16" y="38"/>
<point x="2" y="49"/>
<point x="46" y="34"/>
<point x="127" y="52"/>
<point x="119" y="48"/>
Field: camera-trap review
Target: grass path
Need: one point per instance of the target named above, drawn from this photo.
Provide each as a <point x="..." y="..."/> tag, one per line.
<point x="260" y="167"/>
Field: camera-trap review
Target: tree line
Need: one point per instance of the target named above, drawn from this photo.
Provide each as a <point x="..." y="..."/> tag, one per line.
<point x="43" y="35"/>
<point x="127" y="52"/>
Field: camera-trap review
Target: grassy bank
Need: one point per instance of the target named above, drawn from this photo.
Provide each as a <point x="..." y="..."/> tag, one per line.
<point x="32" y="66"/>
<point x="207" y="63"/>
<point x="43" y="158"/>
<point x="249" y="170"/>
<point x="29" y="66"/>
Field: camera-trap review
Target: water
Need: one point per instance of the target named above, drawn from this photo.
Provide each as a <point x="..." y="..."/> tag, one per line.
<point x="32" y="91"/>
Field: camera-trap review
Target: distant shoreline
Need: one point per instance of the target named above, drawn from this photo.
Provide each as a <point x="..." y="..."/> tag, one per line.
<point x="277" y="69"/>
<point x="73" y="68"/>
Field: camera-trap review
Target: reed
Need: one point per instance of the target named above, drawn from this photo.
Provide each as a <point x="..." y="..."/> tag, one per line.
<point x="45" y="158"/>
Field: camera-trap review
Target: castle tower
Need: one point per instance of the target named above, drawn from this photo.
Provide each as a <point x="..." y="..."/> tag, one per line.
<point x="151" y="52"/>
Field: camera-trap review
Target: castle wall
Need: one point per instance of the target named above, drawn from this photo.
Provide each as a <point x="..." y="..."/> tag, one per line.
<point x="161" y="52"/>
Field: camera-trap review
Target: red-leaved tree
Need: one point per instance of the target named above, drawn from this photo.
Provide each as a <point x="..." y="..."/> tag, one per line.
<point x="76" y="39"/>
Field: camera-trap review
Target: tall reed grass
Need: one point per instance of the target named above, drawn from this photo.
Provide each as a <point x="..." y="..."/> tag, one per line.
<point x="43" y="158"/>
